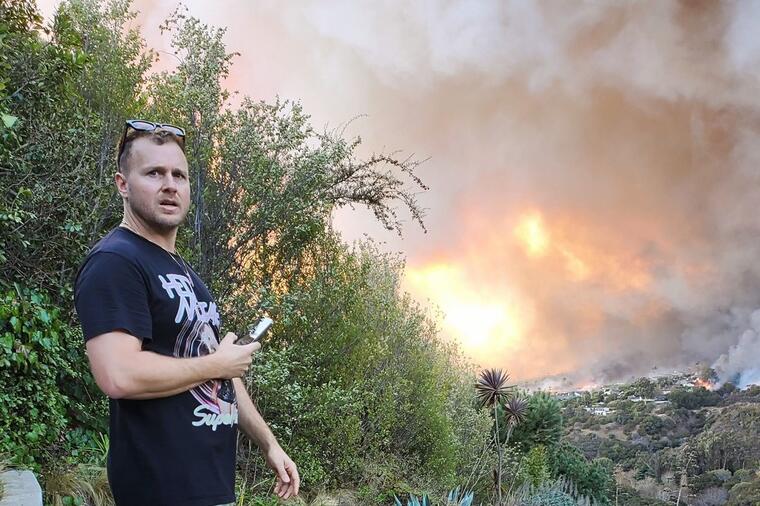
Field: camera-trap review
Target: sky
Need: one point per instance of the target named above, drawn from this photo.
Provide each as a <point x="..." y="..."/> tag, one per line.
<point x="594" y="167"/>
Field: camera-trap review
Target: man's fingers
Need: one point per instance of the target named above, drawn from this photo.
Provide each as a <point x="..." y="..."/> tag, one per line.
<point x="253" y="347"/>
<point x="229" y="337"/>
<point x="296" y="479"/>
<point x="282" y="474"/>
<point x="283" y="481"/>
<point x="289" y="489"/>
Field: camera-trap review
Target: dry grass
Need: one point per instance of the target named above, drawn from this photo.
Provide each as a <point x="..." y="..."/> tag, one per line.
<point x="339" y="498"/>
<point x="88" y="483"/>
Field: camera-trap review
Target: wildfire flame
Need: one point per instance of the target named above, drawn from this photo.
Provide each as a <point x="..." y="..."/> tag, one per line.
<point x="532" y="235"/>
<point x="489" y="296"/>
<point x="480" y="321"/>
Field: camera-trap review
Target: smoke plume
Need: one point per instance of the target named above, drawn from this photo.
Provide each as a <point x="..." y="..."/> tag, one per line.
<point x="594" y="166"/>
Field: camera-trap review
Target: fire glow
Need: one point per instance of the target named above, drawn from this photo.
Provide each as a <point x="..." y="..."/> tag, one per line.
<point x="480" y="321"/>
<point x="493" y="298"/>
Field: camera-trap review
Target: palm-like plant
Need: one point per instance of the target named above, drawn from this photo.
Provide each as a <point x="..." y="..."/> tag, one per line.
<point x="493" y="392"/>
<point x="515" y="411"/>
<point x="492" y="387"/>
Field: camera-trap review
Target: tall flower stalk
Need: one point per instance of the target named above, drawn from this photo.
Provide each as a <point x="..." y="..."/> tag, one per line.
<point x="492" y="391"/>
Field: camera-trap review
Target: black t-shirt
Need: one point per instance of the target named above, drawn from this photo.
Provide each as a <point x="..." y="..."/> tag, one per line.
<point x="177" y="450"/>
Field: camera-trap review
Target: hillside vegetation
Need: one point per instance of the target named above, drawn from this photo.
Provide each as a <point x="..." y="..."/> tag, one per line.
<point x="667" y="438"/>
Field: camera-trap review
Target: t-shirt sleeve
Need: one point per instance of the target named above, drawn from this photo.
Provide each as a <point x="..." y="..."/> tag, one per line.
<point x="110" y="294"/>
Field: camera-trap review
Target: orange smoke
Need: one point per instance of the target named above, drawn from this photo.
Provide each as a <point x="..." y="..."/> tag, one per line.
<point x="581" y="259"/>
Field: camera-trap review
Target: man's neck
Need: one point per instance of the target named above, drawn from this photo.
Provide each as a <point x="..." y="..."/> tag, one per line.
<point x="166" y="240"/>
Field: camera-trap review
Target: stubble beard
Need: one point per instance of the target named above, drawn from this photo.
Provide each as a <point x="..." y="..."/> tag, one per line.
<point x="154" y="219"/>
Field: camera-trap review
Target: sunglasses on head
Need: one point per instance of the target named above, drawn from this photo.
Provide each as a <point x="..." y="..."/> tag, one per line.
<point x="140" y="125"/>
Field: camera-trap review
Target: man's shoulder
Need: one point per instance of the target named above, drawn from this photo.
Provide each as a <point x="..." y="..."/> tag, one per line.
<point x="116" y="246"/>
<point x="120" y="242"/>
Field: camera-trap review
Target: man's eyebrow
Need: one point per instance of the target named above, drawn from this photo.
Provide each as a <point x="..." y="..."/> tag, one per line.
<point x="163" y="167"/>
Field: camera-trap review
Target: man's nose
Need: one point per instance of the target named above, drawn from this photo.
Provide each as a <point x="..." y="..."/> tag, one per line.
<point x="169" y="183"/>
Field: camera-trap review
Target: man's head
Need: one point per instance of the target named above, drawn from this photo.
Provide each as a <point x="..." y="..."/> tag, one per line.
<point x="153" y="178"/>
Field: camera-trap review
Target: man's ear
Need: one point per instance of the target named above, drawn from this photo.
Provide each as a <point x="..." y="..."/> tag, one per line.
<point x="121" y="183"/>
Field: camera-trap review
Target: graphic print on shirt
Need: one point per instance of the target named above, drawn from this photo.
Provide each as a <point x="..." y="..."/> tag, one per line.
<point x="198" y="337"/>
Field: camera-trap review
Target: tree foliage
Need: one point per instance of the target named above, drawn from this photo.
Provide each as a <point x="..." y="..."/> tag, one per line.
<point x="542" y="424"/>
<point x="693" y="398"/>
<point x="354" y="380"/>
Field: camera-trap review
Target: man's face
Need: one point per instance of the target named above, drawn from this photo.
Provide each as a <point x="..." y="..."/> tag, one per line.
<point x="157" y="184"/>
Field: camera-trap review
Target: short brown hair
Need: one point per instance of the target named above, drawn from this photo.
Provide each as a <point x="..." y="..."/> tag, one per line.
<point x="159" y="137"/>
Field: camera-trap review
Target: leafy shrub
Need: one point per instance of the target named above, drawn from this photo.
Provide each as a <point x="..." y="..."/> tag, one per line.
<point x="34" y="361"/>
<point x="542" y="424"/>
<point x="744" y="494"/>
<point x="653" y="425"/>
<point x="631" y="497"/>
<point x="592" y="478"/>
<point x="534" y="468"/>
<point x="362" y="391"/>
<point x="739" y="476"/>
<point x="693" y="398"/>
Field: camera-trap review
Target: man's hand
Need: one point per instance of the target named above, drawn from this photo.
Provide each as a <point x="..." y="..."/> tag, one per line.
<point x="123" y="370"/>
<point x="233" y="359"/>
<point x="288" y="481"/>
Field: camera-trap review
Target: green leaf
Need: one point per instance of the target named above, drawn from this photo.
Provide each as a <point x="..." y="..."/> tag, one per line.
<point x="43" y="315"/>
<point x="9" y="120"/>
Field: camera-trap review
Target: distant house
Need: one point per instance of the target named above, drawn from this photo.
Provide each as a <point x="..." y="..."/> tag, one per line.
<point x="566" y="396"/>
<point x="599" y="410"/>
<point x="638" y="398"/>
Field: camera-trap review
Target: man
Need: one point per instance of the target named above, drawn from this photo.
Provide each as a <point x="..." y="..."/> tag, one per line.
<point x="152" y="335"/>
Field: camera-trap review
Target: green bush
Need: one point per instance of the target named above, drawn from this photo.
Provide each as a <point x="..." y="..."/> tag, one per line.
<point x="745" y="494"/>
<point x="704" y="481"/>
<point x="652" y="425"/>
<point x="592" y="478"/>
<point x="363" y="392"/>
<point x="534" y="467"/>
<point x="693" y="398"/>
<point x="542" y="424"/>
<point x="33" y="363"/>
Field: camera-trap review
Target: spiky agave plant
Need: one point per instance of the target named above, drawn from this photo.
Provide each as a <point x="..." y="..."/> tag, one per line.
<point x="492" y="387"/>
<point x="515" y="410"/>
<point x="492" y="390"/>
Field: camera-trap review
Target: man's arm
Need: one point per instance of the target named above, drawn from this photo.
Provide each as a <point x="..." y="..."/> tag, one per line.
<point x="254" y="426"/>
<point x="123" y="370"/>
<point x="250" y="420"/>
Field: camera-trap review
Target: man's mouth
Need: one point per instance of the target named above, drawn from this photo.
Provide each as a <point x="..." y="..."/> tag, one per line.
<point x="169" y="204"/>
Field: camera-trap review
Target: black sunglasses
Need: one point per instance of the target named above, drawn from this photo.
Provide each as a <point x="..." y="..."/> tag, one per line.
<point x="141" y="125"/>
